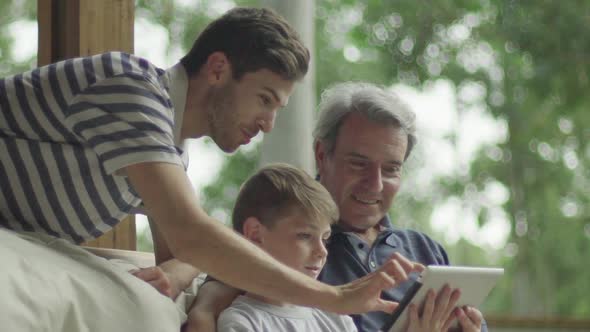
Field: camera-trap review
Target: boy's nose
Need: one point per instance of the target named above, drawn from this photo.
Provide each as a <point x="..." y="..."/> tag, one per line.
<point x="321" y="250"/>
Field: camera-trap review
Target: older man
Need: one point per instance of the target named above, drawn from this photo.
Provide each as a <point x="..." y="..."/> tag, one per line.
<point x="363" y="136"/>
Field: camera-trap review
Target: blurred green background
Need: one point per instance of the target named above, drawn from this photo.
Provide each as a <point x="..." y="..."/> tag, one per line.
<point x="516" y="72"/>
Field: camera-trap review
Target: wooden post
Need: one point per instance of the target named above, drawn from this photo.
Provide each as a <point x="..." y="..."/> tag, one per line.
<point x="73" y="28"/>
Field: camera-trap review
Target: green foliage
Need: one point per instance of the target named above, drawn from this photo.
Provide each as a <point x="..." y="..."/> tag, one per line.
<point x="531" y="60"/>
<point x="530" y="57"/>
<point x="222" y="193"/>
<point x="12" y="11"/>
<point x="535" y="80"/>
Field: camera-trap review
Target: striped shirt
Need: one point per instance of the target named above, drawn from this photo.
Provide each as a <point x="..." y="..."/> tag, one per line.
<point x="67" y="130"/>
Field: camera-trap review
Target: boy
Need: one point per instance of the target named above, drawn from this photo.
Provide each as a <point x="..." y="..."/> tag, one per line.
<point x="288" y="214"/>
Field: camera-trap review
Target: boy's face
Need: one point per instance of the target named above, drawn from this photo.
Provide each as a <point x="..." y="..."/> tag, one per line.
<point x="298" y="242"/>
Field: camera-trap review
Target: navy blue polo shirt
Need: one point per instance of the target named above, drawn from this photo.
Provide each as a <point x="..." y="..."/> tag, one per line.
<point x="349" y="258"/>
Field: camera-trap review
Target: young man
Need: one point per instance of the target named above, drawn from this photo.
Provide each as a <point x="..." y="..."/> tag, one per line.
<point x="284" y="211"/>
<point x="363" y="136"/>
<point x="86" y="141"/>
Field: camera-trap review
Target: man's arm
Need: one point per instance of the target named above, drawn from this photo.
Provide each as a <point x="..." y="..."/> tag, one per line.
<point x="213" y="297"/>
<point x="179" y="274"/>
<point x="195" y="238"/>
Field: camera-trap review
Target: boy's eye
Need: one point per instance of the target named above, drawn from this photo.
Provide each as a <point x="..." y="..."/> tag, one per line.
<point x="326" y="241"/>
<point x="304" y="236"/>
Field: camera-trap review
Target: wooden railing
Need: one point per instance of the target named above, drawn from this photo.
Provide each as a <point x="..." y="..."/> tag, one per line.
<point x="537" y="323"/>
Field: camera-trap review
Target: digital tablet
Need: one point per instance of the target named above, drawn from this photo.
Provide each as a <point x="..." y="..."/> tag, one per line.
<point x="475" y="284"/>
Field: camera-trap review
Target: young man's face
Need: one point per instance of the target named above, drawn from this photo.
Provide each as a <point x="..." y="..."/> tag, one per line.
<point x="298" y="242"/>
<point x="364" y="172"/>
<point x="241" y="108"/>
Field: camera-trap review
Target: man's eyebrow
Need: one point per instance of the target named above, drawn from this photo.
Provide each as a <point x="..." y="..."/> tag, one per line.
<point x="357" y="155"/>
<point x="360" y="156"/>
<point x="274" y="93"/>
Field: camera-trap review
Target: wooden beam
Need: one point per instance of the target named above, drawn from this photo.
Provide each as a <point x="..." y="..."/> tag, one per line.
<point x="513" y="322"/>
<point x="73" y="28"/>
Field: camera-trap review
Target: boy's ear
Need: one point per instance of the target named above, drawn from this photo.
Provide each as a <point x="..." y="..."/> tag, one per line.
<point x="218" y="68"/>
<point x="253" y="230"/>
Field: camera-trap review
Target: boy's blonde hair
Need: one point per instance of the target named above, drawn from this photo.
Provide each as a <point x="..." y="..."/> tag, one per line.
<point x="279" y="190"/>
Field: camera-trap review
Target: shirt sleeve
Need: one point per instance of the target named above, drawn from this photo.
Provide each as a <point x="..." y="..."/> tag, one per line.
<point x="348" y="324"/>
<point x="125" y="119"/>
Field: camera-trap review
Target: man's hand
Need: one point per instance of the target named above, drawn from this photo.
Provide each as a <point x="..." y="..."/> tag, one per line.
<point x="470" y="319"/>
<point x="156" y="277"/>
<point x="437" y="314"/>
<point x="366" y="291"/>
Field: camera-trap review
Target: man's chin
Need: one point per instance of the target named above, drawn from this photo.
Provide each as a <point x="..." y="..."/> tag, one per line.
<point x="230" y="149"/>
<point x="361" y="223"/>
<point x="227" y="148"/>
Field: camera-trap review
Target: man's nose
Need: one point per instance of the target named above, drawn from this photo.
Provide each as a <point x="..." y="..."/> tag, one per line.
<point x="267" y="123"/>
<point x="373" y="179"/>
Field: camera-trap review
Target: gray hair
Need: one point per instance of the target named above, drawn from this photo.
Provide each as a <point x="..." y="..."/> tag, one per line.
<point x="372" y="101"/>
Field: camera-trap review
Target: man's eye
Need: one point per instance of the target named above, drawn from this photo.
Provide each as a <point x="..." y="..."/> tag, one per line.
<point x="357" y="164"/>
<point x="391" y="170"/>
<point x="265" y="100"/>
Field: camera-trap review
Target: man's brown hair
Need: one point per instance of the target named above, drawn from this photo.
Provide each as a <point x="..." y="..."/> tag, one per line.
<point x="279" y="190"/>
<point x="252" y="39"/>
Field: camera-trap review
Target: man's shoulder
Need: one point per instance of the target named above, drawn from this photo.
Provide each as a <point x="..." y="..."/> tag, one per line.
<point x="417" y="245"/>
<point x="117" y="63"/>
<point x="409" y="234"/>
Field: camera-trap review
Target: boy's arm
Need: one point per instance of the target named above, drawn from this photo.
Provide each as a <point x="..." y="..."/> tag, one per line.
<point x="212" y="298"/>
<point x="195" y="238"/>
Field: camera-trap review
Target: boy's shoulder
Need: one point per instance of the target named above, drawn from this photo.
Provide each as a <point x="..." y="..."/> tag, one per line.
<point x="244" y="314"/>
<point x="328" y="321"/>
<point x="247" y="314"/>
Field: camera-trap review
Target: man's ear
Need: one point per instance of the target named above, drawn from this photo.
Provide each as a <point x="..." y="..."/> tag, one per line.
<point x="218" y="68"/>
<point x="320" y="155"/>
<point x="254" y="230"/>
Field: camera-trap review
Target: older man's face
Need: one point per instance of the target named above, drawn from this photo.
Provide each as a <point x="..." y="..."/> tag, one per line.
<point x="364" y="172"/>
